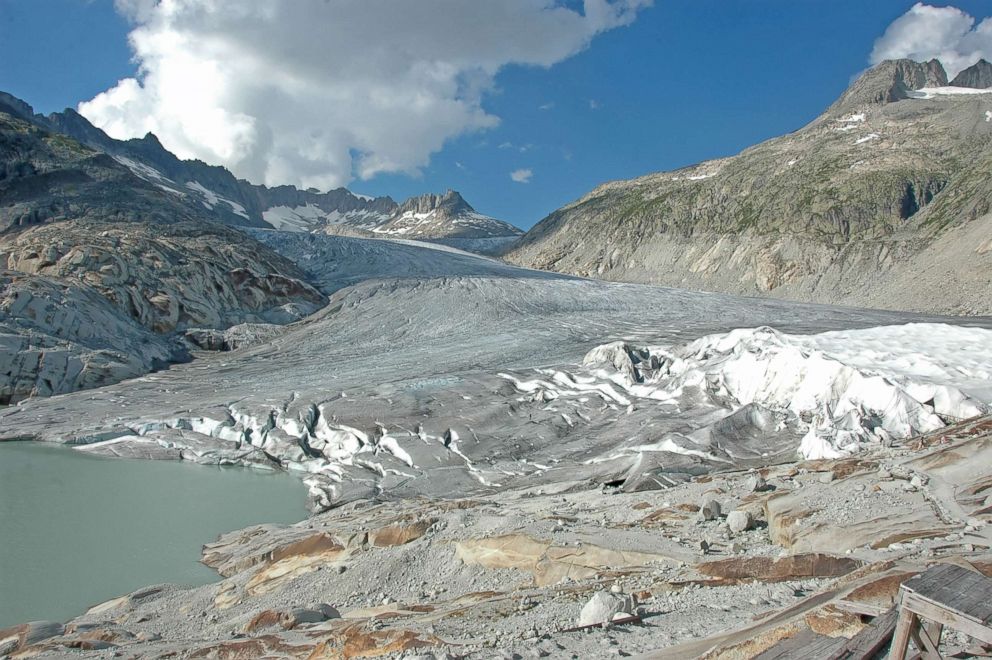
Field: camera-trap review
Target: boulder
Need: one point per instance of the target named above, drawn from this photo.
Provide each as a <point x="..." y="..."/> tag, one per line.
<point x="739" y="521"/>
<point x="710" y="509"/>
<point x="603" y="607"/>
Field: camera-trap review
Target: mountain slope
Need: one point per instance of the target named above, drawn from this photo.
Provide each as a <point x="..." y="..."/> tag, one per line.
<point x="103" y="267"/>
<point x="237" y="202"/>
<point x="880" y="201"/>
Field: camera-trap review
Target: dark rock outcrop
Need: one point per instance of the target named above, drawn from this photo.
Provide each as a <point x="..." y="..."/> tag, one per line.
<point x="977" y="76"/>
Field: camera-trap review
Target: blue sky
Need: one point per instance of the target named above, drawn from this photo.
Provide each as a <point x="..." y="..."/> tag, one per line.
<point x="687" y="80"/>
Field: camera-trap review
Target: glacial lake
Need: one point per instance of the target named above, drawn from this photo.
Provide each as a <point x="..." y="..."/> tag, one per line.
<point x="76" y="530"/>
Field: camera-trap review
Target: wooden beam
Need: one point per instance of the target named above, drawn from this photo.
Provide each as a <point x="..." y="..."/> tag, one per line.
<point x="904" y="628"/>
<point x="871" y="641"/>
<point x="927" y="609"/>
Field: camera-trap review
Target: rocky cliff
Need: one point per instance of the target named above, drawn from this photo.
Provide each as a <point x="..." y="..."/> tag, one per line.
<point x="977" y="76"/>
<point x="882" y="201"/>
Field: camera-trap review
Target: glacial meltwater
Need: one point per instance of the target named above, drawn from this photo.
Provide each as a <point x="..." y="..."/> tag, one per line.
<point x="76" y="530"/>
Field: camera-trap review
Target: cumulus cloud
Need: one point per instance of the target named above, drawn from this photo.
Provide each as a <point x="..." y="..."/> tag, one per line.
<point x="522" y="175"/>
<point x="945" y="33"/>
<point x="318" y="92"/>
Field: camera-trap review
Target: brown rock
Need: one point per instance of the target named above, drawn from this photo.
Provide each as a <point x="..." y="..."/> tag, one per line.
<point x="768" y="569"/>
<point x="880" y="592"/>
<point x="549" y="564"/>
<point x="293" y="560"/>
<point x="400" y="533"/>
<point x="24" y="635"/>
<point x="834" y="622"/>
<point x="266" y="646"/>
<point x="356" y="642"/>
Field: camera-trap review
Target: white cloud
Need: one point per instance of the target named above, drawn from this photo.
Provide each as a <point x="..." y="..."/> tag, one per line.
<point x="593" y="104"/>
<point x="546" y="106"/>
<point x="945" y="33"/>
<point x="317" y="92"/>
<point x="522" y="175"/>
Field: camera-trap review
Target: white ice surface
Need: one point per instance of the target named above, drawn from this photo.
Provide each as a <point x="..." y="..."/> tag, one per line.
<point x="931" y="92"/>
<point x="849" y="387"/>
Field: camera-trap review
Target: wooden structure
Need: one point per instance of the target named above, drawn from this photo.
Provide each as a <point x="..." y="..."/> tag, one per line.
<point x="943" y="596"/>
<point x="869" y="643"/>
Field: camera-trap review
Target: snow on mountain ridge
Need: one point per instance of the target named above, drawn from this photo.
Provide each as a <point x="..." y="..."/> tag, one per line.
<point x="427" y="217"/>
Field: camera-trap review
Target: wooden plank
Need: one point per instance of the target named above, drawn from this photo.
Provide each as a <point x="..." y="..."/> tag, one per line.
<point x="955" y="588"/>
<point x="803" y="645"/>
<point x="871" y="641"/>
<point x="924" y="643"/>
<point x="904" y="628"/>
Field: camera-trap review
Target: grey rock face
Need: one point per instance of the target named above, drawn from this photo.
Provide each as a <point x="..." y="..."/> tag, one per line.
<point x="234" y="338"/>
<point x="57" y="338"/>
<point x="977" y="76"/>
<point x="882" y="201"/>
<point x="100" y="263"/>
<point x="888" y="82"/>
<point x="166" y="277"/>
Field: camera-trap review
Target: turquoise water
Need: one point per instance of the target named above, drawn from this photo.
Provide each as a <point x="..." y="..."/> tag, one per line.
<point x="76" y="530"/>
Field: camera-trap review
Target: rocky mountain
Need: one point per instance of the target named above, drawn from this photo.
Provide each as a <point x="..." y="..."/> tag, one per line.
<point x="104" y="269"/>
<point x="977" y="76"/>
<point x="448" y="219"/>
<point x="884" y="201"/>
<point x="238" y="202"/>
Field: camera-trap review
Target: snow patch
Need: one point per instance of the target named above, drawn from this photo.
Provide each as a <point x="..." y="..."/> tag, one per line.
<point x="694" y="177"/>
<point x="932" y="92"/>
<point x="143" y="171"/>
<point x="867" y="138"/>
<point x="212" y="199"/>
<point x="297" y="218"/>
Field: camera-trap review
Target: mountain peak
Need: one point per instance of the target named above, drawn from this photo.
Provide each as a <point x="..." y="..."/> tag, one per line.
<point x="451" y="203"/>
<point x="888" y="82"/>
<point x="977" y="76"/>
<point x="13" y="105"/>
